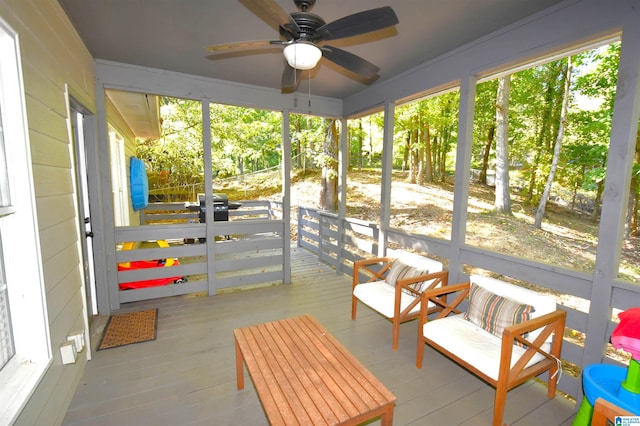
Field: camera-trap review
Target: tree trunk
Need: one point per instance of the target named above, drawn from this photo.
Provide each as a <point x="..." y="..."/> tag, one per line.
<point x="421" y="165"/>
<point x="428" y="166"/>
<point x="545" y="131"/>
<point x="556" y="149"/>
<point x="595" y="214"/>
<point x="631" y="224"/>
<point x="360" y="143"/>
<point x="486" y="152"/>
<point x="502" y="199"/>
<point x="405" y="154"/>
<point x="413" y="153"/>
<point x="298" y="159"/>
<point x="329" y="185"/>
<point x="370" y="141"/>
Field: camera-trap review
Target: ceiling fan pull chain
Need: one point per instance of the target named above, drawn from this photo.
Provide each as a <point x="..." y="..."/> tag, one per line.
<point x="309" y="91"/>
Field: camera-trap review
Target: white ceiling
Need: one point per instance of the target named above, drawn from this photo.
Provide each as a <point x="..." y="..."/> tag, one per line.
<point x="173" y="35"/>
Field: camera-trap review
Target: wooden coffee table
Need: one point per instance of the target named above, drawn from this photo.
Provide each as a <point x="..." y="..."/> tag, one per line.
<point x="303" y="375"/>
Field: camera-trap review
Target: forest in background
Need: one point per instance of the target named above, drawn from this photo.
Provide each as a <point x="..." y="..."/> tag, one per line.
<point x="541" y="136"/>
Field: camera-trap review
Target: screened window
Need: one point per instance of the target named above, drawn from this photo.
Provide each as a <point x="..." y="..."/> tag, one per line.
<point x="25" y="347"/>
<point x="7" y="348"/>
<point x="5" y="196"/>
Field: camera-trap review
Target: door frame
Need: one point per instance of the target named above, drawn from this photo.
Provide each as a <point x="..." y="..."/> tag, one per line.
<point x="84" y="153"/>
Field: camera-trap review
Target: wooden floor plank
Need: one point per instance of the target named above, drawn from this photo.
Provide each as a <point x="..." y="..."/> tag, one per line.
<point x="187" y="375"/>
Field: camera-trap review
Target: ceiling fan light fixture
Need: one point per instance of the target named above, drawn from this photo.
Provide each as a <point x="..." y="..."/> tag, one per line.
<point x="302" y="55"/>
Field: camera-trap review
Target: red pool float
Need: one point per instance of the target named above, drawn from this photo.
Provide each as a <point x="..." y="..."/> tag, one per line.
<point x="145" y="264"/>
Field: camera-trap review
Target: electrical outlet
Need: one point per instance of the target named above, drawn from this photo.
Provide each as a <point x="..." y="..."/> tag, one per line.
<point x="68" y="352"/>
<point x="78" y="339"/>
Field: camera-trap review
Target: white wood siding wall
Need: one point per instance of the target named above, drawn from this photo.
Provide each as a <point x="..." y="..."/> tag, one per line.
<point x="53" y="57"/>
<point x="118" y="123"/>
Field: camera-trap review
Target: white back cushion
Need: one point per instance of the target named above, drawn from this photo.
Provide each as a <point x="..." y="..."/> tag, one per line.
<point x="417" y="261"/>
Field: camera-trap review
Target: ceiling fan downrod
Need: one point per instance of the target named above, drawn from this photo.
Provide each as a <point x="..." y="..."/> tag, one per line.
<point x="304" y="5"/>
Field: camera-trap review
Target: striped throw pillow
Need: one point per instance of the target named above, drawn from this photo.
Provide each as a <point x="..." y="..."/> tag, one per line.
<point x="400" y="270"/>
<point x="492" y="312"/>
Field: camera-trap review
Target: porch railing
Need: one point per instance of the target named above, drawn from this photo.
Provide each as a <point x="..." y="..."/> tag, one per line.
<point x="340" y="242"/>
<point x="174" y="213"/>
<point x="248" y="249"/>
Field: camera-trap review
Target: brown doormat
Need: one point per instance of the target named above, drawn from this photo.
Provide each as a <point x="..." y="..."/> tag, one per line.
<point x="129" y="328"/>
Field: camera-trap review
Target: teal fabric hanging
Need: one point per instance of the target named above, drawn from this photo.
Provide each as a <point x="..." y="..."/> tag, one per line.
<point x="139" y="184"/>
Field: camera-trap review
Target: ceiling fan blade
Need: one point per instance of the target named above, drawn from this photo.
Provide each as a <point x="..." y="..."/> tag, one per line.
<point x="225" y="47"/>
<point x="350" y="61"/>
<point x="273" y="14"/>
<point x="290" y="78"/>
<point x="358" y="23"/>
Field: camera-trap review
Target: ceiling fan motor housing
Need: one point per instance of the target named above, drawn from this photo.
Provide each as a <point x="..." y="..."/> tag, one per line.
<point x="308" y="24"/>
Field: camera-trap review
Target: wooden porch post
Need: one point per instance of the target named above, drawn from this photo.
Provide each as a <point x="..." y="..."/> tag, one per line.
<point x="624" y="128"/>
<point x="343" y="168"/>
<point x="387" y="169"/>
<point x="462" y="175"/>
<point x="208" y="191"/>
<point x="286" y="197"/>
<point x="108" y="291"/>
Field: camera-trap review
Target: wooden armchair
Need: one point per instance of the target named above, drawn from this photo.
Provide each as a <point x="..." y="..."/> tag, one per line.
<point x="393" y="286"/>
<point x="508" y="334"/>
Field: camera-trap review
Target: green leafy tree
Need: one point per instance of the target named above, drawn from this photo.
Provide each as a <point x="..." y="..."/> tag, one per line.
<point x="536" y="103"/>
<point x="502" y="201"/>
<point x="484" y="127"/>
<point x="244" y="139"/>
<point x="425" y="135"/>
<point x="557" y="146"/>
<point x="174" y="161"/>
<point x="329" y="162"/>
<point x="592" y="126"/>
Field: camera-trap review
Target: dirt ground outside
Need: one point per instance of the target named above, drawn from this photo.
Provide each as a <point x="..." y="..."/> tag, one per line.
<point x="568" y="238"/>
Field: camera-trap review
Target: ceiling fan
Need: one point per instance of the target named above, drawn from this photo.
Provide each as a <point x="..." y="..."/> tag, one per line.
<point x="303" y="35"/>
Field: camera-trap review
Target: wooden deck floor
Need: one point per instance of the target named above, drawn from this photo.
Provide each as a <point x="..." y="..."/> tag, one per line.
<point x="187" y="375"/>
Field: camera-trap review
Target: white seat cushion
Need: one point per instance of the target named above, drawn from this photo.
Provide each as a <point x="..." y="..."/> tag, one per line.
<point x="380" y="296"/>
<point x="472" y="344"/>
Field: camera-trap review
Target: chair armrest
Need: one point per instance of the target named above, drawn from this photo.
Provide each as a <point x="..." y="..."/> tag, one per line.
<point x="404" y="284"/>
<point x="551" y="323"/>
<point x="557" y="316"/>
<point x="363" y="265"/>
<point x="439" y="297"/>
<point x="437" y="278"/>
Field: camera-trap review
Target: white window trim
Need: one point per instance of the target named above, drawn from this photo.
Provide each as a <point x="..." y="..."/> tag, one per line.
<point x="119" y="183"/>
<point x="22" y="257"/>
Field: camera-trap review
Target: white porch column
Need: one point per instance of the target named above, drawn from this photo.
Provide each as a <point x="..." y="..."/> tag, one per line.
<point x="343" y="168"/>
<point x="286" y="196"/>
<point x="461" y="179"/>
<point x="208" y="191"/>
<point x="387" y="176"/>
<point x="624" y="128"/>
